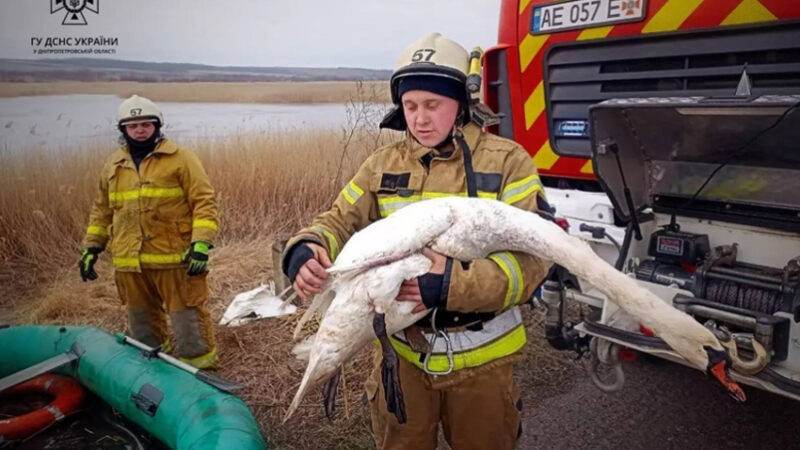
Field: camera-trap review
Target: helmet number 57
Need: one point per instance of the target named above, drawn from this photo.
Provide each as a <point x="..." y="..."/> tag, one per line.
<point x="423" y="54"/>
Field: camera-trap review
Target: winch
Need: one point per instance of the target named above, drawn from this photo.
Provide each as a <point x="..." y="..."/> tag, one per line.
<point x="741" y="295"/>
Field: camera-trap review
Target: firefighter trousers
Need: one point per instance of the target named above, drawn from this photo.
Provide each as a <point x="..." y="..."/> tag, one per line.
<point x="478" y="408"/>
<point x="155" y="296"/>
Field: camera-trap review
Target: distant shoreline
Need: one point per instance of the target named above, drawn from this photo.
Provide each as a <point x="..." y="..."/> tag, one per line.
<point x="213" y="92"/>
<point x="102" y="69"/>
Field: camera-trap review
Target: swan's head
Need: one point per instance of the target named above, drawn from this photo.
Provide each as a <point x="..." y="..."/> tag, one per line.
<point x="719" y="365"/>
<point x="703" y="349"/>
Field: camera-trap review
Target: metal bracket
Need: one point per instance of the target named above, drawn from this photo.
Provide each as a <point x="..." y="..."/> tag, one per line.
<point x="151" y="353"/>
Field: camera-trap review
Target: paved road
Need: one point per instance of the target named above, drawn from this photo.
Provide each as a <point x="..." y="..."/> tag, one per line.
<point x="663" y="405"/>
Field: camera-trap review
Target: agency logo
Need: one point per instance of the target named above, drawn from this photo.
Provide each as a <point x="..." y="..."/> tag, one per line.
<point x="74" y="10"/>
<point x="630" y="7"/>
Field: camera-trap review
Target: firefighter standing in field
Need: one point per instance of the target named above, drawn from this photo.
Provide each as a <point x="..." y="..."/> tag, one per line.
<point x="442" y="154"/>
<point x="156" y="213"/>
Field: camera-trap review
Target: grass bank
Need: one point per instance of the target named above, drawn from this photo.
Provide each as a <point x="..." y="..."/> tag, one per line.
<point x="213" y="92"/>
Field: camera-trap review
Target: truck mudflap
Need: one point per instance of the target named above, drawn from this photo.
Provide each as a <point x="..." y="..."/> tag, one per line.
<point x="769" y="379"/>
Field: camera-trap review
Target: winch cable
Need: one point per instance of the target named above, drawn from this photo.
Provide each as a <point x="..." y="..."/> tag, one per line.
<point x="739" y="152"/>
<point x="743" y="296"/>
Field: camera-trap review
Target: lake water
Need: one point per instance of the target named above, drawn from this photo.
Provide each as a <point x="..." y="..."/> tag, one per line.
<point x="68" y="121"/>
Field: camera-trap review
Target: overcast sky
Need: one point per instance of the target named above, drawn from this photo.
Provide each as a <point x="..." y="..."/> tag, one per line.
<point x="306" y="33"/>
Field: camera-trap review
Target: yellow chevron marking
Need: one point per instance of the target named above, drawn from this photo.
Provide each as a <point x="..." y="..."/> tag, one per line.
<point x="671" y="15"/>
<point x="534" y="105"/>
<point x="594" y="33"/>
<point x="588" y="167"/>
<point x="523" y="4"/>
<point x="545" y="158"/>
<point x="529" y="47"/>
<point x="748" y="11"/>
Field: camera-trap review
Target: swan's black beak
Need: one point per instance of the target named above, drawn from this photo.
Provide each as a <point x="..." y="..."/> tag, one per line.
<point x="719" y="364"/>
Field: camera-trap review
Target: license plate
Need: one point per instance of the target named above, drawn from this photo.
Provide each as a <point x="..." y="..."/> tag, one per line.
<point x="574" y="14"/>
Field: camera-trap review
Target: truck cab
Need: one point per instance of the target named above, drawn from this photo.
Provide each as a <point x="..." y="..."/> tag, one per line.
<point x="666" y="134"/>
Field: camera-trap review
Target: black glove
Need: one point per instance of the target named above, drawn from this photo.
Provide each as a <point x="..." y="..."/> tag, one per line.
<point x="297" y="256"/>
<point x="86" y="264"/>
<point x="433" y="288"/>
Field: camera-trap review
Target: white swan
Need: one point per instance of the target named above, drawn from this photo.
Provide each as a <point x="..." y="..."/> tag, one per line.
<point x="370" y="268"/>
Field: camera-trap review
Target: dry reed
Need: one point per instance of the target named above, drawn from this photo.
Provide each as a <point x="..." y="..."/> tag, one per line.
<point x="267" y="185"/>
<point x="229" y="92"/>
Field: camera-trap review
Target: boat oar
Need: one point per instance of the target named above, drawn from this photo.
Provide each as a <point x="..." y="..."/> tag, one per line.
<point x="223" y="385"/>
<point x="37" y="369"/>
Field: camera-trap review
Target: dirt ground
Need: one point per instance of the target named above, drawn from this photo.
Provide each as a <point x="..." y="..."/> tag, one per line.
<point x="662" y="405"/>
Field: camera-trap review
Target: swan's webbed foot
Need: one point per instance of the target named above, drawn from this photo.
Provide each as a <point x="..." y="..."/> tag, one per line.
<point x="329" y="393"/>
<point x="390" y="371"/>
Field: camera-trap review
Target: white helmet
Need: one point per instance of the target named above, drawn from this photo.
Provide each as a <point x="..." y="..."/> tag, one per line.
<point x="138" y="109"/>
<point x="432" y="63"/>
<point x="432" y="55"/>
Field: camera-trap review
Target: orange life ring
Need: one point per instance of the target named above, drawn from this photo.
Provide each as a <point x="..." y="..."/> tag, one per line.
<point x="68" y="395"/>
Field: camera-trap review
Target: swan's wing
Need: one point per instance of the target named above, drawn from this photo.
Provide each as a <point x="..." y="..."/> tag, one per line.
<point x="400" y="235"/>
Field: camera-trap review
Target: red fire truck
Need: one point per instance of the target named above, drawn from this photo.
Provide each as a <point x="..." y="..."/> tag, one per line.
<point x="665" y="133"/>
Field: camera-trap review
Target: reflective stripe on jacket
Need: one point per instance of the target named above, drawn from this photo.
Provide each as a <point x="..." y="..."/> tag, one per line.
<point x="395" y="176"/>
<point x="499" y="337"/>
<point x="148" y="217"/>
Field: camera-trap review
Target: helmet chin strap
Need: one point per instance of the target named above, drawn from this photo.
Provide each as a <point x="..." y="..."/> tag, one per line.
<point x="460" y="116"/>
<point x="469" y="171"/>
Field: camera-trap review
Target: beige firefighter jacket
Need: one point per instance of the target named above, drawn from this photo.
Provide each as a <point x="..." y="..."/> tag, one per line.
<point x="148" y="218"/>
<point x="394" y="176"/>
